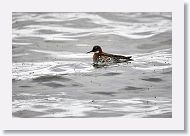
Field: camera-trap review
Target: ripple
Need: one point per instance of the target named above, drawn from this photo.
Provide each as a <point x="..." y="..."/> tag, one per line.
<point x="149" y="61"/>
<point x="104" y="93"/>
<point x="50" y="78"/>
<point x="27" y="113"/>
<point x="111" y="74"/>
<point x="90" y="24"/>
<point x="45" y="71"/>
<point x="54" y="85"/>
<point x="132" y="88"/>
<point x="25" y="86"/>
<point x="152" y="79"/>
<point x="66" y="108"/>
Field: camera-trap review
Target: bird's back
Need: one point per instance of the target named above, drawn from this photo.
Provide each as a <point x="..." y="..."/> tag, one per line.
<point x="106" y="58"/>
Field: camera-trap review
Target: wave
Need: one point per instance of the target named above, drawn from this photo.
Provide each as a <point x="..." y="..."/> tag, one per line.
<point x="32" y="70"/>
<point x="90" y="24"/>
<point x="157" y="60"/>
<point x="65" y="107"/>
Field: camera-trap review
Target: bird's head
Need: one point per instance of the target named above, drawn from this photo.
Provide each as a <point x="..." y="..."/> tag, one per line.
<point x="96" y="48"/>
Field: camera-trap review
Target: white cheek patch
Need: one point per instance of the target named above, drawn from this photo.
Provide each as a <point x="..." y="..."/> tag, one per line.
<point x="97" y="52"/>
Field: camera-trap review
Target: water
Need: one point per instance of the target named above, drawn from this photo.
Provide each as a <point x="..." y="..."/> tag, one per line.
<point x="53" y="76"/>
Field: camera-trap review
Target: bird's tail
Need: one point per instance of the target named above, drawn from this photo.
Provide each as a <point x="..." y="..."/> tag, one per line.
<point x="128" y="58"/>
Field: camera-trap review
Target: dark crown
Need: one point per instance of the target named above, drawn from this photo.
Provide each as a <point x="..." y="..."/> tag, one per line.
<point x="96" y="48"/>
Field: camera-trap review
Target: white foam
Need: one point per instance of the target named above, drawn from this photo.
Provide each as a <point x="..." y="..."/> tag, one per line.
<point x="30" y="70"/>
<point x="148" y="61"/>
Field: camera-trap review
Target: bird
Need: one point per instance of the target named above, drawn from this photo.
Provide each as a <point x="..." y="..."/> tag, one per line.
<point x="101" y="57"/>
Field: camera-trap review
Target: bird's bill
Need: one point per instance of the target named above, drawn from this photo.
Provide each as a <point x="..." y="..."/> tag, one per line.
<point x="89" y="51"/>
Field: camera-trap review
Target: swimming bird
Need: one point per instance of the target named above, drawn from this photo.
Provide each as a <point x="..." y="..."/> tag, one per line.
<point x="101" y="57"/>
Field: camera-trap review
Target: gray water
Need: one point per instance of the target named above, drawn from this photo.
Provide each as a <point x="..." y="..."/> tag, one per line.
<point x="53" y="76"/>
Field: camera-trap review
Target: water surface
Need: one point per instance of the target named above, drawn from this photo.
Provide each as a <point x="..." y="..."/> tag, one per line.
<point x="54" y="77"/>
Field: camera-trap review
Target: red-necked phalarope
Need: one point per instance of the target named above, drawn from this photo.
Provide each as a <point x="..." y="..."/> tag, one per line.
<point x="102" y="57"/>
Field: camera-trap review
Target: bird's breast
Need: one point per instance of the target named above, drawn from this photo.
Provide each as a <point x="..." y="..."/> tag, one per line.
<point x="95" y="57"/>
